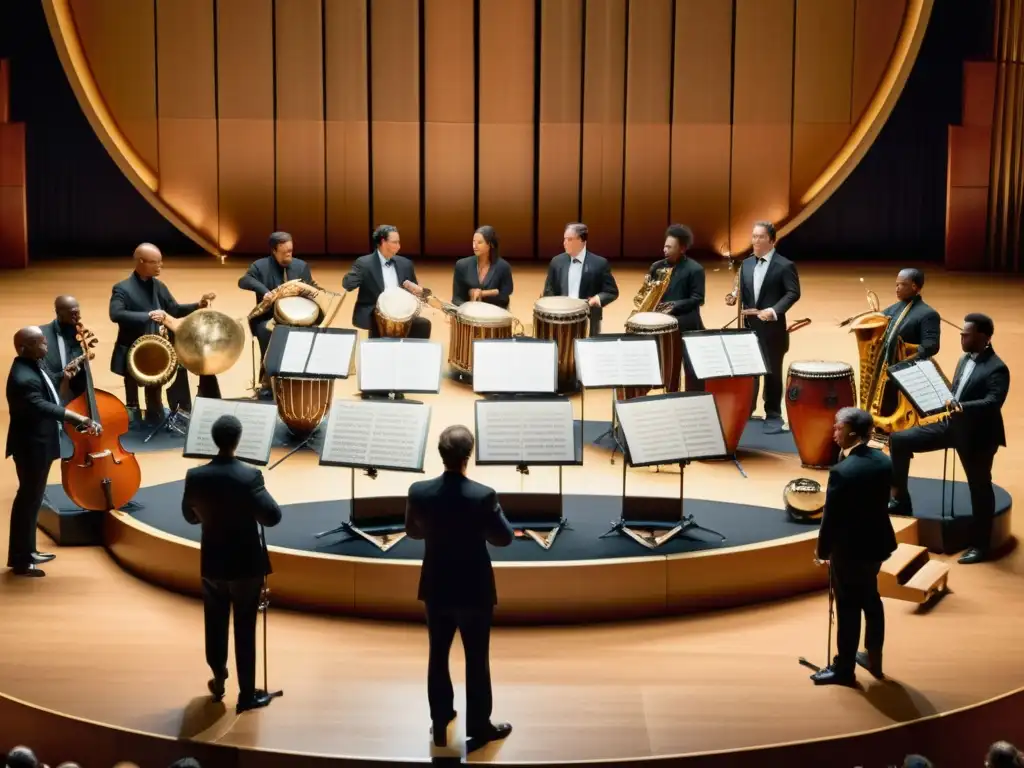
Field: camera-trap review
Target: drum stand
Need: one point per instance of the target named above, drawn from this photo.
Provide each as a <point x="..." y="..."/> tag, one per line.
<point x="831" y="618"/>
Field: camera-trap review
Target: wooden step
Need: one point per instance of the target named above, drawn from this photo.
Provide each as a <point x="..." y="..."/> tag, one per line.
<point x="903" y="563"/>
<point x="931" y="578"/>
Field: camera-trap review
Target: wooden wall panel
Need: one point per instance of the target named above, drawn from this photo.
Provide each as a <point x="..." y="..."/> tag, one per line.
<point x="449" y="150"/>
<point x="5" y="90"/>
<point x="395" y="117"/>
<point x="702" y="120"/>
<point x="347" y="127"/>
<point x="505" y="175"/>
<point x="560" y="135"/>
<point x="966" y="216"/>
<point x="187" y="115"/>
<point x="245" y="96"/>
<point x="822" y="87"/>
<point x="877" y="26"/>
<point x="604" y="83"/>
<point x="299" y="135"/>
<point x="13" y="207"/>
<point x="762" y="112"/>
<point x="119" y="42"/>
<point x="648" y="130"/>
<point x="979" y="93"/>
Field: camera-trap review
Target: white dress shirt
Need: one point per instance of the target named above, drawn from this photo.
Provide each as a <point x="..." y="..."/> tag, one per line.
<point x="576" y="273"/>
<point x="387" y="266"/>
<point x="53" y="393"/>
<point x="969" y="366"/>
<point x="760" y="270"/>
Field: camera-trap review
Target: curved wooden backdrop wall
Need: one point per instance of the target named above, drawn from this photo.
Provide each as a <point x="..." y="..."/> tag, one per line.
<point x="324" y="117"/>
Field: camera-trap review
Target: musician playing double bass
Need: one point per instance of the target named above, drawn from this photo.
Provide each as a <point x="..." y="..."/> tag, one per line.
<point x="914" y="322"/>
<point x="685" y="293"/>
<point x="139" y="305"/>
<point x="62" y="344"/>
<point x="264" y="277"/>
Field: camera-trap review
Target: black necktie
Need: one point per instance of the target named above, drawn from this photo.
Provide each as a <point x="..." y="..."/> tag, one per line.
<point x="760" y="259"/>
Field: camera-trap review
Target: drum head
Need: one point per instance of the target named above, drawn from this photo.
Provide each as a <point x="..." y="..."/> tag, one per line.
<point x="804" y="500"/>
<point x="560" y="306"/>
<point x="398" y="304"/>
<point x="651" y="321"/>
<point x="821" y="368"/>
<point x="482" y="313"/>
<point x="296" y="310"/>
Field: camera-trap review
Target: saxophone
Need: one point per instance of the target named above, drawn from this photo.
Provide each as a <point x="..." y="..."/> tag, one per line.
<point x="648" y="298"/>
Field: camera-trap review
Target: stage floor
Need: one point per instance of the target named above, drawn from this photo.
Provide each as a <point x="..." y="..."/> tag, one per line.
<point x="109" y="647"/>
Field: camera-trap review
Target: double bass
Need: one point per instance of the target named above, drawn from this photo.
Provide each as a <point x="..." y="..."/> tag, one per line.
<point x="100" y="475"/>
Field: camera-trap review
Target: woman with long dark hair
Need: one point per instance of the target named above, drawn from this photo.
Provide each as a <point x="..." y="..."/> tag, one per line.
<point x="484" y="276"/>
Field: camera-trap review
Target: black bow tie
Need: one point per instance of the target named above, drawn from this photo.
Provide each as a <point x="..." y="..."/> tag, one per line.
<point x="761" y="260"/>
<point x="576" y="261"/>
<point x="387" y="263"/>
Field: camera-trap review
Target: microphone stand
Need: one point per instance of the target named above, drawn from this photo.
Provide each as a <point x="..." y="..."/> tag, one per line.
<point x="831" y="618"/>
<point x="264" y="604"/>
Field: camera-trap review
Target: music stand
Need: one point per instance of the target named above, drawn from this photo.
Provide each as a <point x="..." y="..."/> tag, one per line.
<point x="516" y="367"/>
<point x="614" y="360"/>
<point x="259" y="420"/>
<point x="674" y="428"/>
<point x="309" y="353"/>
<point x="727" y="354"/>
<point x="524" y="433"/>
<point x="390" y="368"/>
<point x="372" y="435"/>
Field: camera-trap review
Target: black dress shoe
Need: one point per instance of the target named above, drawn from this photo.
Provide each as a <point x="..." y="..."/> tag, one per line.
<point x="773" y="426"/>
<point x="872" y="662"/>
<point x="28" y="570"/>
<point x="216" y="688"/>
<point x="481" y="738"/>
<point x="43" y="557"/>
<point x="833" y="676"/>
<point x="901" y="506"/>
<point x="439" y="730"/>
<point x="973" y="555"/>
<point x="255" y="700"/>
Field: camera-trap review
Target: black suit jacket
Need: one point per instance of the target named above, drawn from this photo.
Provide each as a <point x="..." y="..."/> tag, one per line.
<point x="980" y="426"/>
<point x="779" y="291"/>
<point x="921" y="326"/>
<point x="685" y="292"/>
<point x="499" y="276"/>
<point x="597" y="280"/>
<point x="456" y="518"/>
<point x="130" y="304"/>
<point x="368" y="276"/>
<point x="264" y="275"/>
<point x="856" y="524"/>
<point x="73" y="349"/>
<point x="34" y="429"/>
<point x="229" y="498"/>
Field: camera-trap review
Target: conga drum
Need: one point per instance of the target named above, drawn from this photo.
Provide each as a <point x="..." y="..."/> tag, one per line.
<point x="562" y="319"/>
<point x="733" y="396"/>
<point x="475" y="320"/>
<point x="303" y="403"/>
<point x="815" y="391"/>
<point x="665" y="329"/>
<point x="296" y="310"/>
<point x="396" y="309"/>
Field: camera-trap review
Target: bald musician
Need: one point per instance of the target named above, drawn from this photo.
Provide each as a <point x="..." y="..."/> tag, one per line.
<point x="139" y="306"/>
<point x="62" y="343"/>
<point x="265" y="276"/>
<point x="35" y="401"/>
<point x="580" y="274"/>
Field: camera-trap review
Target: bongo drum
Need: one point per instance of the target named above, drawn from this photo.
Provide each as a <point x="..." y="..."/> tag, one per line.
<point x="815" y="391"/>
<point x="804" y="500"/>
<point x="396" y="309"/>
<point x="665" y="329"/>
<point x="733" y="397"/>
<point x="563" y="320"/>
<point x="303" y="403"/>
<point x="296" y="310"/>
<point x="475" y="320"/>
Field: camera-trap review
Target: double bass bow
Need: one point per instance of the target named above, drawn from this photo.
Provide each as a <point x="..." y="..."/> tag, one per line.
<point x="100" y="475"/>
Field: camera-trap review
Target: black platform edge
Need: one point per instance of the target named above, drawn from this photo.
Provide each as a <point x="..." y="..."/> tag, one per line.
<point x="72" y="527"/>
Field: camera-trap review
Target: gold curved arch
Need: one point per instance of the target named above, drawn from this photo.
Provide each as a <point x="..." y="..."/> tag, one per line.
<point x="63" y="30"/>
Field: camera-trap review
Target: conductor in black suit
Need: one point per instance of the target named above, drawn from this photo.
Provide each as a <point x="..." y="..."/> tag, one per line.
<point x="685" y="293"/>
<point x="35" y="401"/>
<point x="457" y="518"/>
<point x="62" y="346"/>
<point x="139" y="305"/>
<point x="975" y="430"/>
<point x="265" y="276"/>
<point x="856" y="537"/>
<point x="769" y="286"/>
<point x="230" y="500"/>
<point x="582" y="275"/>
<point x="377" y="271"/>
<point x="484" y="276"/>
<point x="914" y="322"/>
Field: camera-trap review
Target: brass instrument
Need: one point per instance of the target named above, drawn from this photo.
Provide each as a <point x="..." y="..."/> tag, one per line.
<point x="648" y="298"/>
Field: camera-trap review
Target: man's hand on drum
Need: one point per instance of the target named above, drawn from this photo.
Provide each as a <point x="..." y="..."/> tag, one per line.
<point x="475" y="294"/>
<point x="207" y="298"/>
<point x="594" y="301"/>
<point x="412" y="288"/>
<point x="158" y="316"/>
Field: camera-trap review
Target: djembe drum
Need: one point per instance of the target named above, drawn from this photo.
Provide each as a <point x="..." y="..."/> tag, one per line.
<point x="665" y="329"/>
<point x="815" y="391"/>
<point x="396" y="309"/>
<point x="476" y="320"/>
<point x="563" y="320"/>
<point x="303" y="403"/>
<point x="296" y="311"/>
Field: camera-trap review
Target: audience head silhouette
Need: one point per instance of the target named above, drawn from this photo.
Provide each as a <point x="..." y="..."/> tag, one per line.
<point x="455" y="447"/>
<point x="226" y="432"/>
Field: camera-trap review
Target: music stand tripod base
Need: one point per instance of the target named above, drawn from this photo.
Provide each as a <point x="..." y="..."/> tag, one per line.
<point x="545" y="538"/>
<point x="383" y="541"/>
<point x="644" y="532"/>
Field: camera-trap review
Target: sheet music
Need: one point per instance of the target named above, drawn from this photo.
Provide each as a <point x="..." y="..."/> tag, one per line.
<point x="707" y="356"/>
<point x="399" y="366"/>
<point x="744" y="353"/>
<point x="664" y="430"/>
<point x="524" y="432"/>
<point x="618" y="363"/>
<point x="332" y="353"/>
<point x="383" y="434"/>
<point x="517" y="367"/>
<point x="258" y="423"/>
<point x="296" y="352"/>
<point x="924" y="385"/>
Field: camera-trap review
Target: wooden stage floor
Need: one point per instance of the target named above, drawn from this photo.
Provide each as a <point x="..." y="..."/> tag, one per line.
<point x="92" y="641"/>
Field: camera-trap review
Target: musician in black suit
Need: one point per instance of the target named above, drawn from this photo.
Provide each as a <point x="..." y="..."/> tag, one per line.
<point x="856" y="537"/>
<point x="139" y="305"/>
<point x="374" y="273"/>
<point x="769" y="286"/>
<point x="975" y="430"/>
<point x="582" y="275"/>
<point x="61" y="343"/>
<point x="484" y="276"/>
<point x="914" y="322"/>
<point x="457" y="518"/>
<point x="228" y="498"/>
<point x="685" y="293"/>
<point x="35" y="401"/>
<point x="264" y="277"/>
